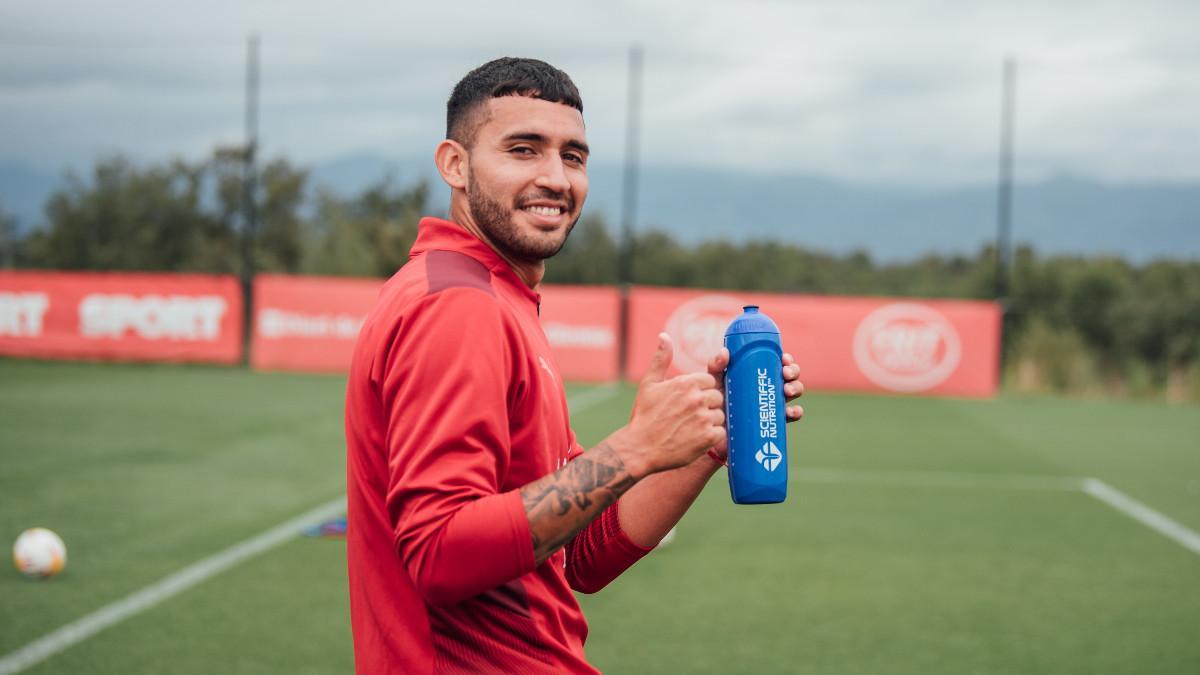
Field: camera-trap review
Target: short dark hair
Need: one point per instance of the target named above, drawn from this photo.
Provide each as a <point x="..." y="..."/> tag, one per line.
<point x="507" y="76"/>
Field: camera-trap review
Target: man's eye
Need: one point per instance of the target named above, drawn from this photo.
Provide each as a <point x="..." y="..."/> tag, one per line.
<point x="573" y="157"/>
<point x="522" y="150"/>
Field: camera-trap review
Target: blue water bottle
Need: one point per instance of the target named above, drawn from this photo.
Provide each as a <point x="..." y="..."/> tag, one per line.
<point x="756" y="410"/>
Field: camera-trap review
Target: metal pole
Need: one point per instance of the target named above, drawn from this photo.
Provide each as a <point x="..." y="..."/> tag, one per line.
<point x="629" y="205"/>
<point x="1005" y="188"/>
<point x="249" y="188"/>
<point x="8" y="239"/>
<point x="1004" y="208"/>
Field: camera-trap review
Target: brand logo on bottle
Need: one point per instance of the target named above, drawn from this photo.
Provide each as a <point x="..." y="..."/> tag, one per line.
<point x="769" y="456"/>
<point x="906" y="347"/>
<point x="698" y="328"/>
<point x="767" y="426"/>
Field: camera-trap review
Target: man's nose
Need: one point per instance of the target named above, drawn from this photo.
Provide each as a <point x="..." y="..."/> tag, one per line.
<point x="553" y="175"/>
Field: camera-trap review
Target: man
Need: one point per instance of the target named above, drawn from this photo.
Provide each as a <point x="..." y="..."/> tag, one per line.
<point x="473" y="512"/>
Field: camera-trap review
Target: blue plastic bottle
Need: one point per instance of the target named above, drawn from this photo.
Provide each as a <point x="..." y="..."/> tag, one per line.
<point x="756" y="410"/>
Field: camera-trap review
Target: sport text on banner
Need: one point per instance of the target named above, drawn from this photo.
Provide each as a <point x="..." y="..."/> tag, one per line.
<point x="121" y="316"/>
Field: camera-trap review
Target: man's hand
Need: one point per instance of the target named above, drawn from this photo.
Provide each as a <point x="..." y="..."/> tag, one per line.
<point x="793" y="389"/>
<point x="674" y="420"/>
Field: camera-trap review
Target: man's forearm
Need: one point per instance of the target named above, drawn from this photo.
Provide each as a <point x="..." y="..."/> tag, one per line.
<point x="563" y="503"/>
<point x="652" y="507"/>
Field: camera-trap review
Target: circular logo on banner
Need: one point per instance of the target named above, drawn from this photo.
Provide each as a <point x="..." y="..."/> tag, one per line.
<point x="906" y="347"/>
<point x="698" y="328"/>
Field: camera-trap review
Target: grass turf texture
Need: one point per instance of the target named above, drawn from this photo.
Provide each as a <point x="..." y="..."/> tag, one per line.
<point x="146" y="469"/>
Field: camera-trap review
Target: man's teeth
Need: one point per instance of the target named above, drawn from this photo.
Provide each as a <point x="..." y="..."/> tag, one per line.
<point x="544" y="210"/>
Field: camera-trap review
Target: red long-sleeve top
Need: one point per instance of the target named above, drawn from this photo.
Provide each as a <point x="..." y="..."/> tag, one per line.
<point x="453" y="404"/>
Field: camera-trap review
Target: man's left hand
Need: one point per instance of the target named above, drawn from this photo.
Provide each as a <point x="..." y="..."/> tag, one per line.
<point x="793" y="389"/>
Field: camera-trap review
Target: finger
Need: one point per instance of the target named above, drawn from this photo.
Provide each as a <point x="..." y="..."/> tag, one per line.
<point x="717" y="364"/>
<point x="661" y="361"/>
<point x="714" y="435"/>
<point x="698" y="380"/>
<point x="788" y="359"/>
<point x="718" y="417"/>
<point x="793" y="389"/>
<point x="713" y="399"/>
<point x="794" y="413"/>
<point x="791" y="372"/>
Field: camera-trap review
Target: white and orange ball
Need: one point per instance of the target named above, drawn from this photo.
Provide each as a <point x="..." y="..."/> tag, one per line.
<point x="39" y="553"/>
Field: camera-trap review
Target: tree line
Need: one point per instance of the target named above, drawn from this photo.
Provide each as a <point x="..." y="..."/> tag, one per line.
<point x="1072" y="324"/>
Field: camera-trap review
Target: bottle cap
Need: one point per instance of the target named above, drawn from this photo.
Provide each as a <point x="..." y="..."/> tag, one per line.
<point x="752" y="321"/>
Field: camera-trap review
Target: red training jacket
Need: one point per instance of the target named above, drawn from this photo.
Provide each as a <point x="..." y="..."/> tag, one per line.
<point x="453" y="404"/>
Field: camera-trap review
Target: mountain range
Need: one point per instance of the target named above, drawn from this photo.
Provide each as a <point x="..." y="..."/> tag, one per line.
<point x="1059" y="215"/>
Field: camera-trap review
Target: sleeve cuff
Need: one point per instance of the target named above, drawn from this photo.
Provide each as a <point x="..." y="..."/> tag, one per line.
<point x="624" y="544"/>
<point x="522" y="536"/>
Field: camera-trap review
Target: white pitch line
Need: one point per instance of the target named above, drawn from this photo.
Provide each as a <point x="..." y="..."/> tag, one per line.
<point x="139" y="601"/>
<point x="1094" y="487"/>
<point x="83" y="628"/>
<point x="946" y="479"/>
<point x="1143" y="514"/>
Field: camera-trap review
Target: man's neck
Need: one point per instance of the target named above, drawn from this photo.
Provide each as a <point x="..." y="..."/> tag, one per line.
<point x="529" y="271"/>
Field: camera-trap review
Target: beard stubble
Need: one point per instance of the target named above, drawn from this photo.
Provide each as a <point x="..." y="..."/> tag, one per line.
<point x="497" y="222"/>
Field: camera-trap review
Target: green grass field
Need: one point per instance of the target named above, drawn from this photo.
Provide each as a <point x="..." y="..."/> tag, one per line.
<point x="918" y="537"/>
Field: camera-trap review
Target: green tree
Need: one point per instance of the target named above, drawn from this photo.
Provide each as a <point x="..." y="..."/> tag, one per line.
<point x="126" y="218"/>
<point x="178" y="216"/>
<point x="588" y="257"/>
<point x="369" y="234"/>
<point x="1089" y="302"/>
<point x="280" y="240"/>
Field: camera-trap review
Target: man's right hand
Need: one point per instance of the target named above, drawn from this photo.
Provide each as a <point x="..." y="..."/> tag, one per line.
<point x="674" y="421"/>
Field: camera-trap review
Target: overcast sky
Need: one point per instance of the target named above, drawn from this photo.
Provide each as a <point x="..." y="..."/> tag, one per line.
<point x="883" y="91"/>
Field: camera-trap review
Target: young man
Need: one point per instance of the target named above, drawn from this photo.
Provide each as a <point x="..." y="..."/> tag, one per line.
<point x="473" y="512"/>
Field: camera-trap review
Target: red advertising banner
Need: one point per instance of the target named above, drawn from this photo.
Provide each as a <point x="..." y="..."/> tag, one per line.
<point x="121" y="316"/>
<point x="943" y="347"/>
<point x="308" y="323"/>
<point x="581" y="325"/>
<point x="311" y="323"/>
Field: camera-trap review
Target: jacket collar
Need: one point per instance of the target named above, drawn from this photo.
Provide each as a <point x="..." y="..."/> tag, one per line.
<point x="437" y="234"/>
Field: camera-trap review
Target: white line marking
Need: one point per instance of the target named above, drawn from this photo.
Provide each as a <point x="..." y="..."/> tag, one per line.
<point x="590" y="397"/>
<point x="1142" y="513"/>
<point x="83" y="628"/>
<point x="87" y="626"/>
<point x="939" y="479"/>
<point x="1094" y="487"/>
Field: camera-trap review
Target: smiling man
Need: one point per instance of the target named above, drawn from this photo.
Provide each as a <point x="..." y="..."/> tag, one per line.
<point x="473" y="511"/>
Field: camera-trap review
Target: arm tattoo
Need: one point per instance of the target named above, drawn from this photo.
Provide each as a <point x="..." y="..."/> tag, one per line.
<point x="561" y="504"/>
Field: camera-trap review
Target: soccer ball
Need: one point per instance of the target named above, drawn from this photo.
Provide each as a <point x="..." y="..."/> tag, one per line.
<point x="39" y="553"/>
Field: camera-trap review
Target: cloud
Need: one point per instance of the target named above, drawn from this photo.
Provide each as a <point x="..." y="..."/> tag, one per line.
<point x="873" y="91"/>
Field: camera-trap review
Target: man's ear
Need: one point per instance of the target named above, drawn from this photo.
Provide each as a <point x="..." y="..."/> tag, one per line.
<point x="452" y="162"/>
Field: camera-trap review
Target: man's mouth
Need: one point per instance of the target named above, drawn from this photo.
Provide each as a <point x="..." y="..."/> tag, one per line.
<point x="552" y="211"/>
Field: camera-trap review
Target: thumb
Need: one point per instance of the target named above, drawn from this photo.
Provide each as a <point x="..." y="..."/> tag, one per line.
<point x="661" y="361"/>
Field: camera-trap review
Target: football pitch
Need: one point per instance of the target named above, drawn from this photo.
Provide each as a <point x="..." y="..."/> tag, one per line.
<point x="1020" y="535"/>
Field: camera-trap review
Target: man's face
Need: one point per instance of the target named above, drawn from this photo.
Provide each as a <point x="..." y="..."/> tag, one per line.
<point x="527" y="178"/>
